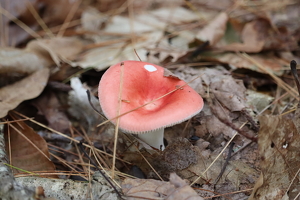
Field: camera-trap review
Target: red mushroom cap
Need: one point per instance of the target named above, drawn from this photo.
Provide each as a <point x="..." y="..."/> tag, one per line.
<point x="142" y="83"/>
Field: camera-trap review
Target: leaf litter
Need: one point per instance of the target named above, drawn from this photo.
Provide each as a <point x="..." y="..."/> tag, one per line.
<point x="204" y="44"/>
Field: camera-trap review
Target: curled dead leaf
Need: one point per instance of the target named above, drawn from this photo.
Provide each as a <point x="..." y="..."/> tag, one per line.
<point x="29" y="87"/>
<point x="215" y="30"/>
<point x="21" y="61"/>
<point x="59" y="48"/>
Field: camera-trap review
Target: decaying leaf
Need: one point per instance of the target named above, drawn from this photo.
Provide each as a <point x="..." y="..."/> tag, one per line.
<point x="270" y="61"/>
<point x="176" y="189"/>
<point x="229" y="97"/>
<point x="49" y="106"/>
<point x="26" y="155"/>
<point x="230" y="92"/>
<point x="59" y="48"/>
<point x="237" y="172"/>
<point x="215" y="30"/>
<point x="279" y="144"/>
<point x="212" y="125"/>
<point x="21" y="61"/>
<point x="148" y="28"/>
<point x="258" y="101"/>
<point x="259" y="35"/>
<point x="29" y="87"/>
<point x="182" y="190"/>
<point x="252" y="37"/>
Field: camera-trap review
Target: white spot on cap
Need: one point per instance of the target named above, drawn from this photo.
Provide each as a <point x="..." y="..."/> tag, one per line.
<point x="150" y="68"/>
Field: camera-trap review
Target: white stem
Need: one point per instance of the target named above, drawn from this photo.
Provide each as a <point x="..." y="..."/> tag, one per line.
<point x="154" y="138"/>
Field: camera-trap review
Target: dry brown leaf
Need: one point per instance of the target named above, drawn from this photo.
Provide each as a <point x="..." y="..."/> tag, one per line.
<point x="29" y="87"/>
<point x="22" y="153"/>
<point x="60" y="48"/>
<point x="259" y="35"/>
<point x="229" y="91"/>
<point x="215" y="30"/>
<point x="258" y="101"/>
<point x="176" y="189"/>
<point x="279" y="144"/>
<point x="182" y="190"/>
<point x="237" y="173"/>
<point x="49" y="106"/>
<point x="269" y="61"/>
<point x="253" y="39"/>
<point x="148" y="28"/>
<point x="19" y="61"/>
<point x="211" y="124"/>
<point x="287" y="17"/>
<point x="145" y="188"/>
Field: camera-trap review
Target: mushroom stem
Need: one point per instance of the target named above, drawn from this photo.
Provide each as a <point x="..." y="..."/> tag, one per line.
<point x="154" y="138"/>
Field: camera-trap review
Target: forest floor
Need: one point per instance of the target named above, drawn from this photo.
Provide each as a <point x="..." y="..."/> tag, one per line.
<point x="244" y="144"/>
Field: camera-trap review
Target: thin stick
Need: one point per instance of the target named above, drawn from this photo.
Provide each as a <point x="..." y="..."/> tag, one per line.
<point x="118" y="121"/>
<point x="202" y="173"/>
<point x="295" y="74"/>
<point x="65" y="136"/>
<point x="131" y="23"/>
<point x="17" y="120"/>
<point x="28" y="140"/>
<point x="105" y="171"/>
<point x="39" y="19"/>
<point x="137" y="54"/>
<point x="89" y="99"/>
<point x="225" y="164"/>
<point x="282" y="84"/>
<point x="95" y="165"/>
<point x="68" y="18"/>
<point x="19" y="23"/>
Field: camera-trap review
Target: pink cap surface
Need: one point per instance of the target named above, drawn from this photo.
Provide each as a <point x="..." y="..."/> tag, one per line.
<point x="142" y="83"/>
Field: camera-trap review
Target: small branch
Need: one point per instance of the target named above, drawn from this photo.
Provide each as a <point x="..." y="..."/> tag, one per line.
<point x="225" y="164"/>
<point x="89" y="99"/>
<point x="293" y="65"/>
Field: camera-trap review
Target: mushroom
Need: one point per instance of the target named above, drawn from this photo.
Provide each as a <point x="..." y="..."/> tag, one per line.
<point x="145" y="83"/>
